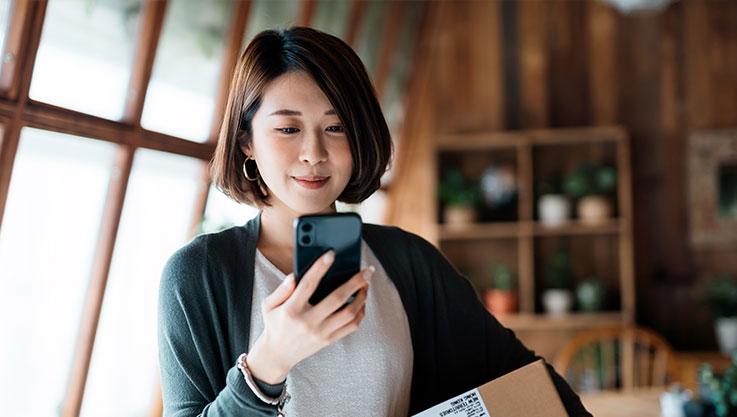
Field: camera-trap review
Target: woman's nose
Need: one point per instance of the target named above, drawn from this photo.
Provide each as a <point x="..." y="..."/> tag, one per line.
<point x="313" y="149"/>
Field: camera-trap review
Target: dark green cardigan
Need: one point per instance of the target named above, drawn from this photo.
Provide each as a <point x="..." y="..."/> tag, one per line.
<point x="205" y="313"/>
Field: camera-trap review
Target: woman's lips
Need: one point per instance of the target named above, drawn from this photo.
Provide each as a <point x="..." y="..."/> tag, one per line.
<point x="311" y="182"/>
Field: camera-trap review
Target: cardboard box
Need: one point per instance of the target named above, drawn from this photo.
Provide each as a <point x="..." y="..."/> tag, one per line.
<point x="525" y="392"/>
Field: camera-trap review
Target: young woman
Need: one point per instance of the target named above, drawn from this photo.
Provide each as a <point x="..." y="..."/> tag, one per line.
<point x="237" y="337"/>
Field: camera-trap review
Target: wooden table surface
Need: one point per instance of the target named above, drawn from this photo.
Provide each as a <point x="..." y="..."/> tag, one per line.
<point x="640" y="403"/>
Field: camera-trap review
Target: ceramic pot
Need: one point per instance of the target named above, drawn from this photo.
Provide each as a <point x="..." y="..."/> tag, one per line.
<point x="553" y="209"/>
<point x="726" y="330"/>
<point x="557" y="302"/>
<point x="500" y="302"/>
<point x="594" y="209"/>
<point x="459" y="215"/>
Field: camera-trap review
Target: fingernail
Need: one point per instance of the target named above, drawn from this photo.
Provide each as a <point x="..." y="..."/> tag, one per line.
<point x="328" y="257"/>
<point x="368" y="273"/>
<point x="289" y="278"/>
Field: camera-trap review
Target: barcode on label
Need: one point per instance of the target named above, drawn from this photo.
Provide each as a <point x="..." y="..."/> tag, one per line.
<point x="468" y="404"/>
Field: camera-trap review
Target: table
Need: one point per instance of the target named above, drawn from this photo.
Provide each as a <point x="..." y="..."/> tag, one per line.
<point x="643" y="402"/>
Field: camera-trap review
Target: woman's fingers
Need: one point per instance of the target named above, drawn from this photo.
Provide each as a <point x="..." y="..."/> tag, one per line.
<point x="340" y="295"/>
<point x="280" y="294"/>
<point x="345" y="315"/>
<point x="308" y="282"/>
<point x="349" y="328"/>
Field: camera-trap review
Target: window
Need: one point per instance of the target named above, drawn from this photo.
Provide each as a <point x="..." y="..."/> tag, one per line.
<point x="5" y="9"/>
<point x="85" y="55"/>
<point x="155" y="222"/>
<point x="47" y="245"/>
<point x="181" y="95"/>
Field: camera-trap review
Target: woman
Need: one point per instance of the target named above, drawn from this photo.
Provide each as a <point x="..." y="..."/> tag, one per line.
<point x="302" y="129"/>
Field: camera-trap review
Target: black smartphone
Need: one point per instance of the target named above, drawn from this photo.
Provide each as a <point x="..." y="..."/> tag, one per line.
<point x="316" y="234"/>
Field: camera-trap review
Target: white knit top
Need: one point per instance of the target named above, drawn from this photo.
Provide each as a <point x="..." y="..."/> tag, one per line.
<point x="367" y="373"/>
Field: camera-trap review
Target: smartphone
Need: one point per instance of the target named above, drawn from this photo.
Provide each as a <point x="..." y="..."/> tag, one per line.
<point x="318" y="233"/>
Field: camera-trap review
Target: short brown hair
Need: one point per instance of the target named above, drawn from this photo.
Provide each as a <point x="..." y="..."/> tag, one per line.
<point x="339" y="73"/>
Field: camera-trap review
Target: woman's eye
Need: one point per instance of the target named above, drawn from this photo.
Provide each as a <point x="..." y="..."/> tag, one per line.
<point x="335" y="129"/>
<point x="288" y="129"/>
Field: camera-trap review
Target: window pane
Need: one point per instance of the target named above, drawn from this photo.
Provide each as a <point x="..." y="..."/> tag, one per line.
<point x="4" y="18"/>
<point x="331" y="16"/>
<point x="268" y="14"/>
<point x="154" y="223"/>
<point x="370" y="34"/>
<point x="181" y="95"/>
<point x="221" y="212"/>
<point x="47" y="245"/>
<point x="85" y="56"/>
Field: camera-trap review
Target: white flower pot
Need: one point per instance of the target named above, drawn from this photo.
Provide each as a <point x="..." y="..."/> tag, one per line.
<point x="726" y="330"/>
<point x="557" y="302"/>
<point x="554" y="209"/>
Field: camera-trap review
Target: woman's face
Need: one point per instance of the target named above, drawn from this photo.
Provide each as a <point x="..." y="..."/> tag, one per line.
<point x="300" y="146"/>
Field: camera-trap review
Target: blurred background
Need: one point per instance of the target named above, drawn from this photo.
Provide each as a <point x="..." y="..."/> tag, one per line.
<point x="577" y="160"/>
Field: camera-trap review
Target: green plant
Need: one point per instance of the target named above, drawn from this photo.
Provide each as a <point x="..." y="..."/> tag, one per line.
<point x="720" y="392"/>
<point x="502" y="277"/>
<point x="455" y="190"/>
<point x="720" y="295"/>
<point x="558" y="270"/>
<point x="590" y="294"/>
<point x="590" y="179"/>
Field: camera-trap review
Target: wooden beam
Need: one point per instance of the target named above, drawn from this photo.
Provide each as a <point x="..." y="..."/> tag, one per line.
<point x="14" y="42"/>
<point x="388" y="51"/>
<point x="533" y="64"/>
<point x="98" y="281"/>
<point x="32" y="25"/>
<point x="233" y="44"/>
<point x="306" y="10"/>
<point x="411" y="193"/>
<point x="57" y="119"/>
<point x="358" y="11"/>
<point x="148" y="42"/>
<point x="602" y="58"/>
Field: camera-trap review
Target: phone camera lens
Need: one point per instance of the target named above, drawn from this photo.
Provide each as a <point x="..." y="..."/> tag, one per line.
<point x="306" y="240"/>
<point x="306" y="227"/>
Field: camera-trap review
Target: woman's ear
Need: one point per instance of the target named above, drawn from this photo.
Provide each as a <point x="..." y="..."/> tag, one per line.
<point x="246" y="149"/>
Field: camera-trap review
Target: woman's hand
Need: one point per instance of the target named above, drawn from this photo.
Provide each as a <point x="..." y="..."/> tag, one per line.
<point x="294" y="329"/>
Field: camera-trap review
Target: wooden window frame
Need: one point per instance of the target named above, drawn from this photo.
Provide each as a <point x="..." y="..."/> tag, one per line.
<point x="17" y="111"/>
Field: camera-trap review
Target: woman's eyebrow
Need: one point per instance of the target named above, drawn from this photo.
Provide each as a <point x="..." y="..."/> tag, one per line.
<point x="286" y="112"/>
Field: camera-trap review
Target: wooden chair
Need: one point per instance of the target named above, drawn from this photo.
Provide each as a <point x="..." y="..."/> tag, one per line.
<point x="616" y="358"/>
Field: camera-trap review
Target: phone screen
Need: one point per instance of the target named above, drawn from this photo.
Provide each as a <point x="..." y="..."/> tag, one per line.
<point x="315" y="235"/>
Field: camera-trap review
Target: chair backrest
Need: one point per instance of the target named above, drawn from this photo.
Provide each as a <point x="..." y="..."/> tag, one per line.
<point x="614" y="358"/>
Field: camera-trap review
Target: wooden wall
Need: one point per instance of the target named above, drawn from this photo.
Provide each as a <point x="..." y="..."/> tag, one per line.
<point x="507" y="65"/>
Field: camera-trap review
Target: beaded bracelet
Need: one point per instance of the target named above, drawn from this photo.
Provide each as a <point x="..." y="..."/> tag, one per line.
<point x="279" y="401"/>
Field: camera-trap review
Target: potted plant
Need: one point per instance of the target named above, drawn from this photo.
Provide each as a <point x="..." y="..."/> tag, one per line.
<point x="461" y="197"/>
<point x="718" y="394"/>
<point x="501" y="298"/>
<point x="590" y="184"/>
<point x="558" y="298"/>
<point x="590" y="295"/>
<point x="720" y="296"/>
<point x="553" y="206"/>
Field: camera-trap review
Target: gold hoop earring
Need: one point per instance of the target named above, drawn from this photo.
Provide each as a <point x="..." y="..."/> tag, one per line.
<point x="253" y="177"/>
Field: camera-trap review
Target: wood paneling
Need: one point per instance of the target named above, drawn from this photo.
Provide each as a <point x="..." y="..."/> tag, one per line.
<point x="601" y="22"/>
<point x="568" y="73"/>
<point x="533" y="64"/>
<point x="659" y="74"/>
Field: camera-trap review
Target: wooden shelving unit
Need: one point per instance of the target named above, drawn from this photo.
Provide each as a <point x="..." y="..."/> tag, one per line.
<point x="524" y="239"/>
